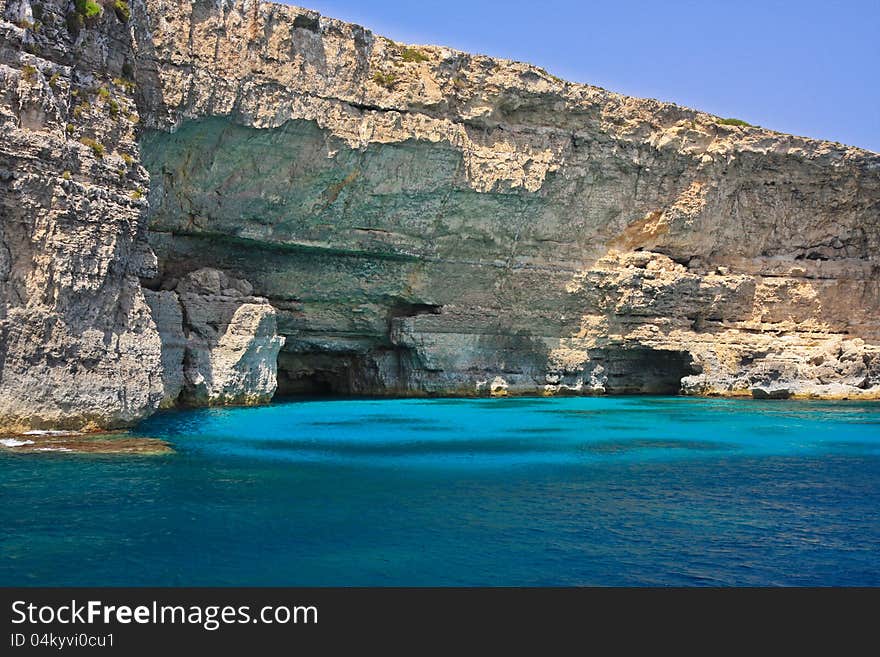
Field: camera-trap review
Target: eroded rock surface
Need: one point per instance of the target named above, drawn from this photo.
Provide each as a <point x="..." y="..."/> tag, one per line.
<point x="432" y="222"/>
<point x="61" y="443"/>
<point x="78" y="348"/>
<point x="219" y="343"/>
<point x="416" y="220"/>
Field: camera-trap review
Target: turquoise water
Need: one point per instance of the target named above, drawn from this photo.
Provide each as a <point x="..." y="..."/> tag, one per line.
<point x="575" y="491"/>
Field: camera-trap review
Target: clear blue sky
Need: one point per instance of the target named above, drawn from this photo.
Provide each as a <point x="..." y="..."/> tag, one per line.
<point x="807" y="68"/>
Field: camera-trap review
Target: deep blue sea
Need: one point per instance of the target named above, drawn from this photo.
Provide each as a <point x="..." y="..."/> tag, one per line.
<point x="573" y="491"/>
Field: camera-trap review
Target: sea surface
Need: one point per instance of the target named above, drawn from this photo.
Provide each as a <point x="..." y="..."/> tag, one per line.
<point x="574" y="491"/>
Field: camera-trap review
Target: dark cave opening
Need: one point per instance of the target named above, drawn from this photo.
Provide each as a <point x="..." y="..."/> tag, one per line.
<point x="645" y="371"/>
<point x="317" y="384"/>
<point x="382" y="372"/>
<point x="370" y="366"/>
<point x="314" y="375"/>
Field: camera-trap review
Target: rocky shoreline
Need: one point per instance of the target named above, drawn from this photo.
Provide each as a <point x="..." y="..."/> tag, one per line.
<point x="60" y="442"/>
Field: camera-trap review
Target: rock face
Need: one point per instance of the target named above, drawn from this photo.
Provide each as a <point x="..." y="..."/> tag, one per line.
<point x="431" y="222"/>
<point x="417" y="220"/>
<point x="219" y="343"/>
<point x="78" y="348"/>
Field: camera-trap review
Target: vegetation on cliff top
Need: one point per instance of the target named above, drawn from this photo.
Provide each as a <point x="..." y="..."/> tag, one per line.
<point x="738" y="122"/>
<point x="413" y="55"/>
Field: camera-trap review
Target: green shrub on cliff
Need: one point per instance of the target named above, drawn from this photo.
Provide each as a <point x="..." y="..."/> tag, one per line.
<point x="125" y="83"/>
<point x="29" y="72"/>
<point x="88" y="8"/>
<point x="386" y="80"/>
<point x="738" y="122"/>
<point x="122" y="11"/>
<point x="96" y="146"/>
<point x="413" y="55"/>
<point x="84" y="11"/>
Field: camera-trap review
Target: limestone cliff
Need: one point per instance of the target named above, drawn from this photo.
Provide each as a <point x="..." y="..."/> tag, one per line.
<point x="421" y="221"/>
<point x="78" y="347"/>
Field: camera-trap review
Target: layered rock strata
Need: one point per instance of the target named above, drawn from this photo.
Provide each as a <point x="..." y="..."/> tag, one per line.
<point x="421" y="221"/>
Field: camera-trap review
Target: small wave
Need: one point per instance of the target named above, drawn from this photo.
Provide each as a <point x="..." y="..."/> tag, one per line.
<point x="49" y="432"/>
<point x="12" y="442"/>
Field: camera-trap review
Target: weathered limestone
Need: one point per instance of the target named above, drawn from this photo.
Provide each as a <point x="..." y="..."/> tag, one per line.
<point x="168" y="317"/>
<point x="219" y="343"/>
<point x="430" y="222"/>
<point x="413" y="221"/>
<point x="742" y="334"/>
<point x="78" y="348"/>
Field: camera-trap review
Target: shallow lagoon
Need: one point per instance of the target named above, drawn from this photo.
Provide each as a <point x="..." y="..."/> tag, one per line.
<point x="572" y="491"/>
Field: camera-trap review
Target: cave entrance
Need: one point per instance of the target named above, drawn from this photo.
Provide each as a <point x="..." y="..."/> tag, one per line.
<point x="316" y="384"/>
<point x="379" y="371"/>
<point x="314" y="375"/>
<point x="646" y="371"/>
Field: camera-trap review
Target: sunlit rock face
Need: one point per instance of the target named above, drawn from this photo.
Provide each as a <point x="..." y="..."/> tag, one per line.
<point x="431" y="222"/>
<point x="78" y="347"/>
<point x="219" y="342"/>
<point x="412" y="220"/>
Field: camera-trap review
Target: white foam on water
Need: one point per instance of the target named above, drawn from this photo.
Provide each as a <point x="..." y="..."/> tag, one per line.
<point x="12" y="442"/>
<point x="49" y="432"/>
<point x="52" y="449"/>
